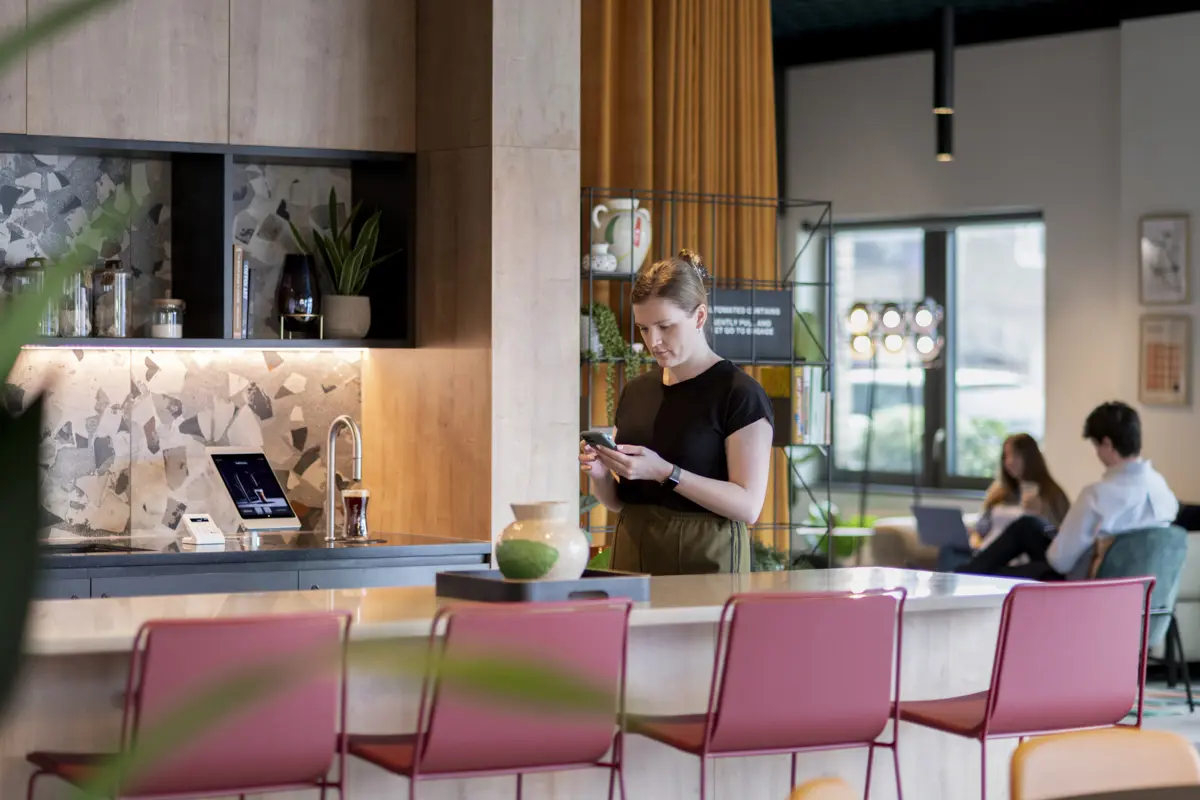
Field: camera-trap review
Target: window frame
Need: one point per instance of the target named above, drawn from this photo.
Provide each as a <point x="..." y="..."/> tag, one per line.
<point x="938" y="396"/>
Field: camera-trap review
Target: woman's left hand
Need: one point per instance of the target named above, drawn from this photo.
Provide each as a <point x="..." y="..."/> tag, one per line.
<point x="635" y="463"/>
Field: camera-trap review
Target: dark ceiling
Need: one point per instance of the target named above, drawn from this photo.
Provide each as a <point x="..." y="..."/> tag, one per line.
<point x="812" y="31"/>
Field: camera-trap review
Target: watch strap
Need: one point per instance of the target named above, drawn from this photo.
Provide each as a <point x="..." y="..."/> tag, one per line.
<point x="673" y="479"/>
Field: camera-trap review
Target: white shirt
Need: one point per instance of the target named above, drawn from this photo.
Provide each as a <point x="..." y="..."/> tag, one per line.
<point x="1130" y="496"/>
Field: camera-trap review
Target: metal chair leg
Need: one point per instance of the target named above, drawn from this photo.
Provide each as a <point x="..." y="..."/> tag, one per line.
<point x="1174" y="636"/>
<point x="703" y="776"/>
<point x="983" y="769"/>
<point x="793" y="786"/>
<point x="520" y="784"/>
<point x="896" y="763"/>
<point x="870" y="768"/>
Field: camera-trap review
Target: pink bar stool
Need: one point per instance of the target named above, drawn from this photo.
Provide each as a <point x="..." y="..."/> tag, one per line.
<point x="286" y="741"/>
<point x="460" y="735"/>
<point x="773" y="691"/>
<point x="1069" y="656"/>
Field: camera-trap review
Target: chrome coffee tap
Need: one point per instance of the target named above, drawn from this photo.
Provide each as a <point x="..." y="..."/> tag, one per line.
<point x="345" y="420"/>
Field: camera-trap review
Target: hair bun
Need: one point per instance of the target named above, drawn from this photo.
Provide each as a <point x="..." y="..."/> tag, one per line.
<point x="696" y="262"/>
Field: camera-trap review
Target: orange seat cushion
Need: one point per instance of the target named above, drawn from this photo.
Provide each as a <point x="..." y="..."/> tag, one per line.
<point x="393" y="752"/>
<point x="682" y="731"/>
<point x="74" y="768"/>
<point x="961" y="715"/>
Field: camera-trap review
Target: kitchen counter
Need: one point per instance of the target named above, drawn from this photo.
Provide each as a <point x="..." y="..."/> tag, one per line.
<point x="160" y="565"/>
<point x="133" y="551"/>
<point x="78" y="654"/>
<point x="111" y="626"/>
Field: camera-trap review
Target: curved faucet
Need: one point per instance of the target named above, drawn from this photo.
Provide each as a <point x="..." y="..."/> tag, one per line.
<point x="346" y="421"/>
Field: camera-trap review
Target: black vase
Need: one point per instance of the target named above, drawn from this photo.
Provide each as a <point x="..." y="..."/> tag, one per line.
<point x="299" y="296"/>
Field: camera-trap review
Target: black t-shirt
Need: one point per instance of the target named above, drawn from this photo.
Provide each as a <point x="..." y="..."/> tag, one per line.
<point x="687" y="423"/>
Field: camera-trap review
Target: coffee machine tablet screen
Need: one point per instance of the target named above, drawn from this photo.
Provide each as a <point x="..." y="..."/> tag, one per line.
<point x="252" y="485"/>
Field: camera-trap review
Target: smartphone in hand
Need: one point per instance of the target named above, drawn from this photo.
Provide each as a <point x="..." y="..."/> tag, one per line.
<point x="598" y="439"/>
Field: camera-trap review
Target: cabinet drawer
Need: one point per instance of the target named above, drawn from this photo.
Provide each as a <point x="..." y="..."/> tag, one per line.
<point x="366" y="578"/>
<point x="202" y="583"/>
<point x="63" y="589"/>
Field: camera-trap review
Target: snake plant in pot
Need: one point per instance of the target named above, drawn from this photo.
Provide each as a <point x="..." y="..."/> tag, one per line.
<point x="348" y="263"/>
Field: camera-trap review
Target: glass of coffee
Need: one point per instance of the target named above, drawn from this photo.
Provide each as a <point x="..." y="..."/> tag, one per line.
<point x="354" y="503"/>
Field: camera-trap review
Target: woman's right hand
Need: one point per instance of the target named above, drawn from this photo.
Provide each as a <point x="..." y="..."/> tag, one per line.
<point x="589" y="462"/>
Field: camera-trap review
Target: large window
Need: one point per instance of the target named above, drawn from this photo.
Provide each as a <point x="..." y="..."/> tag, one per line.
<point x="944" y="424"/>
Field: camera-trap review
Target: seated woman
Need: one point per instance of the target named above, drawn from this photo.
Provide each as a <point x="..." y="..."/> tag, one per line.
<point x="1023" y="487"/>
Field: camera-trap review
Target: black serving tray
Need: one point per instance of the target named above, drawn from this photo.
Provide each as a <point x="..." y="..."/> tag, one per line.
<point x="490" y="586"/>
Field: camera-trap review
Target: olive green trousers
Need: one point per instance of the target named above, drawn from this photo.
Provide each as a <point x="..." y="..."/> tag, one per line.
<point x="658" y="541"/>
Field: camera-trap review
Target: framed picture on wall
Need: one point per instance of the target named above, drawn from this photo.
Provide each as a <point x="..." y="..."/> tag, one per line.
<point x="1164" y="259"/>
<point x="1165" y="360"/>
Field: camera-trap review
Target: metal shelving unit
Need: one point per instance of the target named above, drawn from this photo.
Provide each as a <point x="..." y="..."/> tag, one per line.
<point x="716" y="226"/>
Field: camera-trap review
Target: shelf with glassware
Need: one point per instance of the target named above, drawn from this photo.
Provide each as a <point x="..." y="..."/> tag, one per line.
<point x="773" y="327"/>
<point x="165" y="274"/>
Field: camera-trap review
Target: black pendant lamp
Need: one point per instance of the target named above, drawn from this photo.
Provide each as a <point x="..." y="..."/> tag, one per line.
<point x="943" y="84"/>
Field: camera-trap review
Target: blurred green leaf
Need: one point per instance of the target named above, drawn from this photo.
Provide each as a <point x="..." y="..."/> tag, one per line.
<point x="15" y="42"/>
<point x="20" y="439"/>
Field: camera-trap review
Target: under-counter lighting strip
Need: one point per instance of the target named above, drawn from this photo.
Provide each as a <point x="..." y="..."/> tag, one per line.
<point x="167" y="345"/>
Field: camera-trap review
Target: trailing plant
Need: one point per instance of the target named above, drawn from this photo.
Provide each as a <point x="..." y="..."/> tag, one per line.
<point x="616" y="351"/>
<point x="347" y="263"/>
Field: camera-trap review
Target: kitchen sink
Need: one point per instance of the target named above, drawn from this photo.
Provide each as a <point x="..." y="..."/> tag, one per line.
<point x="89" y="548"/>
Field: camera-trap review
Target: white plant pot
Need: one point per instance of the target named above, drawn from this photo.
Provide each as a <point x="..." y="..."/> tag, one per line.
<point x="346" y="316"/>
<point x="542" y="544"/>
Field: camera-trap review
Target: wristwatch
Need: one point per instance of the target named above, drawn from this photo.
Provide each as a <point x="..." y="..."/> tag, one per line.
<point x="672" y="480"/>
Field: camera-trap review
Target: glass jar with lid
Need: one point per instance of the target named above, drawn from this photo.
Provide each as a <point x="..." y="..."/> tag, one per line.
<point x="75" y="307"/>
<point x="167" y="321"/>
<point x="30" y="279"/>
<point x="110" y="300"/>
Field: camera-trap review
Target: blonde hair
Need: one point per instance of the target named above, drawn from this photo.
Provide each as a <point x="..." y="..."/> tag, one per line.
<point x="680" y="279"/>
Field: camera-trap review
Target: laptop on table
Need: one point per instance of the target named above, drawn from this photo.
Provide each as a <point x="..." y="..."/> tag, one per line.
<point x="938" y="526"/>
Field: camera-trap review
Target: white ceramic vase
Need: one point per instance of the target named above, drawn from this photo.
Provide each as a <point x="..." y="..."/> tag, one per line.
<point x="600" y="260"/>
<point x="627" y="230"/>
<point x="542" y="544"/>
<point x="346" y="316"/>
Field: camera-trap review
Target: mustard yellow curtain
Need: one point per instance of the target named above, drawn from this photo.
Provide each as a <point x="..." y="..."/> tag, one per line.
<point x="678" y="95"/>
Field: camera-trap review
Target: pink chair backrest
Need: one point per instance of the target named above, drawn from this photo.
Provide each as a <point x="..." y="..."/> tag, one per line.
<point x="805" y="670"/>
<point x="585" y="640"/>
<point x="288" y="737"/>
<point x="1070" y="655"/>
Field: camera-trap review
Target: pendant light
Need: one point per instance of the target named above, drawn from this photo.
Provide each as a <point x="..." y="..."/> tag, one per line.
<point x="943" y="84"/>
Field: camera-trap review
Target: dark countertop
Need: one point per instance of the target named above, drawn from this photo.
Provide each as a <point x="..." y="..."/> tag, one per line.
<point x="297" y="547"/>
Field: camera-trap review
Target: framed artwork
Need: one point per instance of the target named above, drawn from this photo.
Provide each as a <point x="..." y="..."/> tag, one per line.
<point x="1165" y="360"/>
<point x="1164" y="259"/>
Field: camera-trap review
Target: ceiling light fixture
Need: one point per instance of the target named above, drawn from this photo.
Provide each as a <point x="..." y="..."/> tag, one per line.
<point x="859" y="319"/>
<point x="943" y="63"/>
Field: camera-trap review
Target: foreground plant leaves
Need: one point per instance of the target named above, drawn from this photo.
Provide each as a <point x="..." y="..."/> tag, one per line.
<point x="493" y="678"/>
<point x="20" y="439"/>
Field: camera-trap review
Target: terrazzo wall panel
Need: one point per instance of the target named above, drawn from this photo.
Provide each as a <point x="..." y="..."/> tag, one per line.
<point x="265" y="199"/>
<point x="125" y="431"/>
<point x="46" y="202"/>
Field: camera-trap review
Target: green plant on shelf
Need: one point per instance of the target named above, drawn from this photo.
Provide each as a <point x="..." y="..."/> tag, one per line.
<point x="348" y="262"/>
<point x="615" y="350"/>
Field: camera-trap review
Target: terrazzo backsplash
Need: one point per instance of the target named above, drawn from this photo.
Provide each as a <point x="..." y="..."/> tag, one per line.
<point x="125" y="431"/>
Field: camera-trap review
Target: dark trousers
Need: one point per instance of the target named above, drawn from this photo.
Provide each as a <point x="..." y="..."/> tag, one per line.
<point x="1026" y="536"/>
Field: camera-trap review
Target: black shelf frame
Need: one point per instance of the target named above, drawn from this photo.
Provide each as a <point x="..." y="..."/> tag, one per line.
<point x="202" y="234"/>
<point x="816" y="223"/>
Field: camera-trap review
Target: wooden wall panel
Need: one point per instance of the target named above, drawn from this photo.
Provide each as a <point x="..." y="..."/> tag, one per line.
<point x="144" y="69"/>
<point x="426" y="441"/>
<point x="324" y="73"/>
<point x="454" y="68"/>
<point x="12" y="83"/>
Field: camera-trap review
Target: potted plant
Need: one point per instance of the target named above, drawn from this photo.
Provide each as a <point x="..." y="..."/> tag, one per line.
<point x="347" y="264"/>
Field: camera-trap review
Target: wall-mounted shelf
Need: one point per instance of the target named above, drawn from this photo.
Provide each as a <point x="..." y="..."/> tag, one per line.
<point x="143" y="343"/>
<point x="202" y="222"/>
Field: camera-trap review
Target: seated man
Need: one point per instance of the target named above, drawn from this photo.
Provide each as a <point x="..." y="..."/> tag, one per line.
<point x="1130" y="496"/>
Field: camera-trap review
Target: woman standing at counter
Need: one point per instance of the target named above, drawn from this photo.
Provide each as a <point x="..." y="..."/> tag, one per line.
<point x="693" y="439"/>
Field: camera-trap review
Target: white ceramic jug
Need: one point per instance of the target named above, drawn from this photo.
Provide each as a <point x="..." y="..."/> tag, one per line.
<point x="626" y="228"/>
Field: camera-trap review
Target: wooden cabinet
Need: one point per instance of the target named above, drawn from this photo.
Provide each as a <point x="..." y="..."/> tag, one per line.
<point x="336" y="74"/>
<point x="197" y="583"/>
<point x="56" y="587"/>
<point x="143" y="69"/>
<point x="12" y="79"/>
